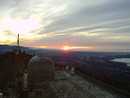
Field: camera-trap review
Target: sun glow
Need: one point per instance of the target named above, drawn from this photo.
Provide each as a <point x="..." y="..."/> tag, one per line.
<point x="41" y="47"/>
<point x="75" y="47"/>
<point x="66" y="48"/>
<point x="10" y="28"/>
<point x="21" y="26"/>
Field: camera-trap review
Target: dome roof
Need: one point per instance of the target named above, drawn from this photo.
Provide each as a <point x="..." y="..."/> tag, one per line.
<point x="41" y="68"/>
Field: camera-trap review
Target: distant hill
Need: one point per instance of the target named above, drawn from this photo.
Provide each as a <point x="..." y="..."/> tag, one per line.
<point x="5" y="48"/>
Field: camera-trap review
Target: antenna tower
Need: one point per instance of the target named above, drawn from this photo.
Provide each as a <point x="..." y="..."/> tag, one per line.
<point x="18" y="41"/>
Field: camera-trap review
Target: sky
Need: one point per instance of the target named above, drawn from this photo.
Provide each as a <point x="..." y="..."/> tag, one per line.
<point x="87" y="25"/>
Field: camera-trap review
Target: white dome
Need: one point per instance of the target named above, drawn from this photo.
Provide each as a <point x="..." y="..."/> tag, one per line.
<point x="40" y="69"/>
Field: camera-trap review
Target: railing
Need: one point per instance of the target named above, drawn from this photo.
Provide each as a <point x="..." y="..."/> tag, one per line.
<point x="104" y="86"/>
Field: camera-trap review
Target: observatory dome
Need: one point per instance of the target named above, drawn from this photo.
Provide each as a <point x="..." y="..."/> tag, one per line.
<point x="40" y="69"/>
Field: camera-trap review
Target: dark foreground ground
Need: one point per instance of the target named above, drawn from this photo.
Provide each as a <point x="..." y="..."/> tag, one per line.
<point x="94" y="64"/>
<point x="97" y="66"/>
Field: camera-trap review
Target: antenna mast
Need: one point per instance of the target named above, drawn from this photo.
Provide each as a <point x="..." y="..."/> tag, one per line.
<point x="18" y="41"/>
<point x="17" y="48"/>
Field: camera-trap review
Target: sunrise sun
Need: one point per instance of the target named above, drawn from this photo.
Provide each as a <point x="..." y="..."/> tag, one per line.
<point x="66" y="48"/>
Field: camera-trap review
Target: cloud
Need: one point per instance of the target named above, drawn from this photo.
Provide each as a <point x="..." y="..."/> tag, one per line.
<point x="8" y="33"/>
<point x="95" y="14"/>
<point x="97" y="24"/>
<point x="76" y="22"/>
